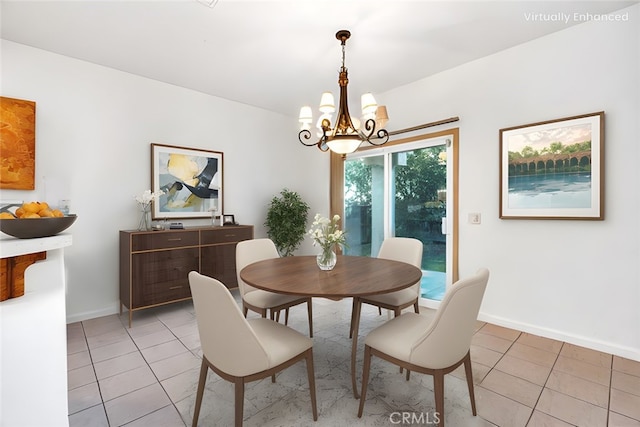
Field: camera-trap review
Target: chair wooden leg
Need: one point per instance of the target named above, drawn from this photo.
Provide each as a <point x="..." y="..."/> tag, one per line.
<point x="396" y="313"/>
<point x="365" y="378"/>
<point x="201" y="382"/>
<point x="379" y="311"/>
<point x="354" y="344"/>
<point x="245" y="310"/>
<point x="469" y="374"/>
<point x="239" y="401"/>
<point x="286" y="316"/>
<point x="438" y="391"/>
<point x="312" y="384"/>
<point x="310" y="314"/>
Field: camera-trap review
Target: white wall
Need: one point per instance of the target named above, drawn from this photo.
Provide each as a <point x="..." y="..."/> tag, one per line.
<point x="572" y="280"/>
<point x="93" y="130"/>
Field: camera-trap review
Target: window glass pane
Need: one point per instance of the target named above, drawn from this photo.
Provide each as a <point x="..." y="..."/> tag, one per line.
<point x="418" y="186"/>
<point x="364" y="205"/>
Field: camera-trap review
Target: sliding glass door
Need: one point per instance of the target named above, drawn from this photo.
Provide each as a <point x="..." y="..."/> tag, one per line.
<point x="401" y="191"/>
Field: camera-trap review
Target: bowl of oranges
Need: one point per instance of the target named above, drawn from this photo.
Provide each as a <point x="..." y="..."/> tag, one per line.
<point x="34" y="219"/>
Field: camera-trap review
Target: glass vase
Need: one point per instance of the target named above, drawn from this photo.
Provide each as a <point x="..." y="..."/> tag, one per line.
<point x="145" y="218"/>
<point x="326" y="259"/>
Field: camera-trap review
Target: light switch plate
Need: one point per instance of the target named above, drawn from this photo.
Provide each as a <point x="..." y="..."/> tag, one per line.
<point x="475" y="218"/>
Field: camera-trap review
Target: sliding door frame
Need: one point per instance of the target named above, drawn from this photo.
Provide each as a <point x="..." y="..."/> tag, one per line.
<point x="336" y="191"/>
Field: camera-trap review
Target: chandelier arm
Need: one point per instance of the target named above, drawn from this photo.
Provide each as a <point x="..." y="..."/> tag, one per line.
<point x="371" y="136"/>
<point x="306" y="134"/>
<point x="382" y="136"/>
<point x="370" y="127"/>
<point x="321" y="143"/>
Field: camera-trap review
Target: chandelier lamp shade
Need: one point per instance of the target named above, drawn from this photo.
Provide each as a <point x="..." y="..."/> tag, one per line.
<point x="345" y="134"/>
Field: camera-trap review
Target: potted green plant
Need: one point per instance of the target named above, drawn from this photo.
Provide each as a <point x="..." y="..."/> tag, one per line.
<point x="287" y="221"/>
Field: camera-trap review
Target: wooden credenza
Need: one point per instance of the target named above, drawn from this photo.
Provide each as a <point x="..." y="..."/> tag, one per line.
<point x="154" y="265"/>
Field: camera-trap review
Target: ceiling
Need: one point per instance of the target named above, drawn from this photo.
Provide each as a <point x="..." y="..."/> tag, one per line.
<point x="280" y="55"/>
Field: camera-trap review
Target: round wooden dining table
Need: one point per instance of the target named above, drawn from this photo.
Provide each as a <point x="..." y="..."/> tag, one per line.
<point x="353" y="276"/>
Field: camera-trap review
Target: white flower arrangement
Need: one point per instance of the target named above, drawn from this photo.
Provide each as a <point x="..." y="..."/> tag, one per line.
<point x="144" y="201"/>
<point x="326" y="232"/>
<point x="147" y="196"/>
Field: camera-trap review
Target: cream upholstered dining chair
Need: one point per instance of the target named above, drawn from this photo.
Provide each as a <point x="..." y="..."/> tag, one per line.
<point x="241" y="350"/>
<point x="434" y="345"/>
<point x="403" y="249"/>
<point x="250" y="251"/>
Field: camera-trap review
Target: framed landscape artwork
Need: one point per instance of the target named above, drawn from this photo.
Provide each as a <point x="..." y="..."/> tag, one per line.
<point x="191" y="179"/>
<point x="553" y="169"/>
<point x="18" y="136"/>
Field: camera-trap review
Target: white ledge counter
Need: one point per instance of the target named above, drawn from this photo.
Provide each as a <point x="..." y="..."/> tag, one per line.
<point x="33" y="338"/>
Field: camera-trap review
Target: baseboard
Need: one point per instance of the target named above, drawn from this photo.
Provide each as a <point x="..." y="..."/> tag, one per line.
<point x="606" y="347"/>
<point x="79" y="317"/>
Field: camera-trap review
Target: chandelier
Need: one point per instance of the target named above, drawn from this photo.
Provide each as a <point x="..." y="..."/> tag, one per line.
<point x="346" y="134"/>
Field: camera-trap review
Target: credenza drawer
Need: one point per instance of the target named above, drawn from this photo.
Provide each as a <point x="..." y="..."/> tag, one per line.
<point x="162" y="275"/>
<point x="225" y="234"/>
<point x="163" y="240"/>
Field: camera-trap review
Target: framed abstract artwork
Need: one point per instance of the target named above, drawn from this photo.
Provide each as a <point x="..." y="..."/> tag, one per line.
<point x="191" y="180"/>
<point x="18" y="136"/>
<point x="553" y="169"/>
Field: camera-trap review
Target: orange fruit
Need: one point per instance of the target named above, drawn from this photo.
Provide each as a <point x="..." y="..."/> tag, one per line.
<point x="6" y="215"/>
<point x="57" y="213"/>
<point x="46" y="213"/>
<point x="31" y="215"/>
<point x="43" y="205"/>
<point x="32" y="207"/>
<point x="20" y="212"/>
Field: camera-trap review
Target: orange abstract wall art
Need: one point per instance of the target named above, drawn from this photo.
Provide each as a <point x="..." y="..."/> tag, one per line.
<point x="17" y="144"/>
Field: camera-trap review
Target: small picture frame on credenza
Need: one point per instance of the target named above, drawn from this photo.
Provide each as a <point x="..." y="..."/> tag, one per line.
<point x="228" y="219"/>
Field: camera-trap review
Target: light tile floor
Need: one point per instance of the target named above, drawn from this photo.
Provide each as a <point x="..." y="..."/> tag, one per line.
<point x="147" y="376"/>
